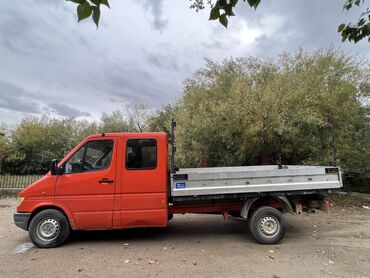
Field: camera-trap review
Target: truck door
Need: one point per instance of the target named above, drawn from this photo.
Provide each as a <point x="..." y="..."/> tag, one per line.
<point x="144" y="182"/>
<point x="87" y="185"/>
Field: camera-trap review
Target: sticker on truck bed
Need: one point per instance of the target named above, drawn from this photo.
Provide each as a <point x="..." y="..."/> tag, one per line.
<point x="180" y="185"/>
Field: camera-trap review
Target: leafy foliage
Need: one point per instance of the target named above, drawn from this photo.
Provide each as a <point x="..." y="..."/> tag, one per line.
<point x="242" y="109"/>
<point x="29" y="148"/>
<point x="358" y="31"/>
<point x="161" y="120"/>
<point x="235" y="112"/>
<point x="87" y="8"/>
<point x="221" y="10"/>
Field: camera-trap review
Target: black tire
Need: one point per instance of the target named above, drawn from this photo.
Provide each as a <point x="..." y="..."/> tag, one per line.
<point x="49" y="228"/>
<point x="267" y="225"/>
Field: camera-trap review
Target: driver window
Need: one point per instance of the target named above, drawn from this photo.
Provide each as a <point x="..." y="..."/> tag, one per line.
<point x="93" y="156"/>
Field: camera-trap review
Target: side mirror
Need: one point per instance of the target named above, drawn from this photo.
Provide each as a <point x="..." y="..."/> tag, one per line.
<point x="54" y="167"/>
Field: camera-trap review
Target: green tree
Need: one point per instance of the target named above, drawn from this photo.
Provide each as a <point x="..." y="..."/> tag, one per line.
<point x="114" y="122"/>
<point x="134" y="120"/>
<point x="30" y="146"/>
<point x="138" y="115"/>
<point x="238" y="110"/>
<point x="161" y="120"/>
<point x="84" y="128"/>
<point x="4" y="138"/>
<point x="37" y="140"/>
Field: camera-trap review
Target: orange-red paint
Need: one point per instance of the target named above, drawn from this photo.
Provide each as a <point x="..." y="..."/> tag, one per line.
<point x="135" y="198"/>
<point x="206" y="208"/>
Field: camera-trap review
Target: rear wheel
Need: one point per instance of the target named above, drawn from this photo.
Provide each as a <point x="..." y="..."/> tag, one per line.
<point x="49" y="228"/>
<point x="267" y="225"/>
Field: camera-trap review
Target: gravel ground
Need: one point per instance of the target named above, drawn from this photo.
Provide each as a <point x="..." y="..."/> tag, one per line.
<point x="316" y="245"/>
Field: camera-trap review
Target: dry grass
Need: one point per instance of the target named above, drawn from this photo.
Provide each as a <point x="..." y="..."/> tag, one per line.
<point x="350" y="199"/>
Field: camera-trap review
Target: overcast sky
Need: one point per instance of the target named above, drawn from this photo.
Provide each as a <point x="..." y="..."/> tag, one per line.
<point x="142" y="51"/>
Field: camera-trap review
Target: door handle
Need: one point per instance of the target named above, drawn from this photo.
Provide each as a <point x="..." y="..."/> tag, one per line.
<point x="106" y="181"/>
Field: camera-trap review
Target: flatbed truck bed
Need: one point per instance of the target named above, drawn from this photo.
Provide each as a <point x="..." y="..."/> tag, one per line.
<point x="253" y="179"/>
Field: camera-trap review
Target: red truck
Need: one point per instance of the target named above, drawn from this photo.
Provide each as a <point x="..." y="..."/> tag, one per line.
<point x="123" y="180"/>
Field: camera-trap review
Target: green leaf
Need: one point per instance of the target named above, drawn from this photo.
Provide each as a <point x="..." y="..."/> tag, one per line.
<point x="96" y="2"/>
<point x="105" y="2"/>
<point x="257" y="3"/>
<point x="83" y="11"/>
<point x="228" y="9"/>
<point x="223" y="20"/>
<point x="77" y="1"/>
<point x="233" y="2"/>
<point x="96" y="15"/>
<point x="254" y="3"/>
<point x="215" y="13"/>
<point x="341" y="27"/>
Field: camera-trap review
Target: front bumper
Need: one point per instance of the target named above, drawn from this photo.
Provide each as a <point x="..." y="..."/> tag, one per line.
<point x="21" y="219"/>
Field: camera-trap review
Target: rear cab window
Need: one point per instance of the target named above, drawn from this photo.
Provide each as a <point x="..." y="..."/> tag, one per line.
<point x="141" y="154"/>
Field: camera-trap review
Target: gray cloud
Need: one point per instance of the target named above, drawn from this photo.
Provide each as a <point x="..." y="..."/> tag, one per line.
<point x="66" y="111"/>
<point x="43" y="49"/>
<point x="16" y="32"/>
<point x="20" y="27"/>
<point x="14" y="98"/>
<point x="162" y="62"/>
<point x="217" y="44"/>
<point x="129" y="83"/>
<point x="306" y="24"/>
<point x="155" y="7"/>
<point x="18" y="99"/>
<point x="162" y="59"/>
<point x="55" y="3"/>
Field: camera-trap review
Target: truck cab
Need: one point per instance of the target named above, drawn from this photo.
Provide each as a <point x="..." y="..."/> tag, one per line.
<point x="108" y="181"/>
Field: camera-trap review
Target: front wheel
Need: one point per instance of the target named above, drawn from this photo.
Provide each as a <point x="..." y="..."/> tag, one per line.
<point x="49" y="228"/>
<point x="267" y="225"/>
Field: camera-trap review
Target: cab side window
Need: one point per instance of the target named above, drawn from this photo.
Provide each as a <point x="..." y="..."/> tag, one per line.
<point x="92" y="156"/>
<point x="141" y="154"/>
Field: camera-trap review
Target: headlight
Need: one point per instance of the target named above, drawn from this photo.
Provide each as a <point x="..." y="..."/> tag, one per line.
<point x="20" y="200"/>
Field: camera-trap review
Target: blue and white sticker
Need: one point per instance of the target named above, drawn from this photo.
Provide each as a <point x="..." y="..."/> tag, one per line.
<point x="180" y="185"/>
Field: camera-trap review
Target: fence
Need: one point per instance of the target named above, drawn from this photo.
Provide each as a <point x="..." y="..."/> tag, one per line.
<point x="8" y="181"/>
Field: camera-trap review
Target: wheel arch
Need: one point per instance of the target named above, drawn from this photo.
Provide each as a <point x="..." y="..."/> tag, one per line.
<point x="257" y="202"/>
<point x="65" y="212"/>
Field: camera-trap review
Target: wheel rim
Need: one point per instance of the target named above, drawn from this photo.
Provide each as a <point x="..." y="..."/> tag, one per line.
<point x="269" y="226"/>
<point x="48" y="229"/>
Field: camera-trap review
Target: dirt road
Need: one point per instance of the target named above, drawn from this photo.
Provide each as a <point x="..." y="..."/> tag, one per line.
<point x="316" y="245"/>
